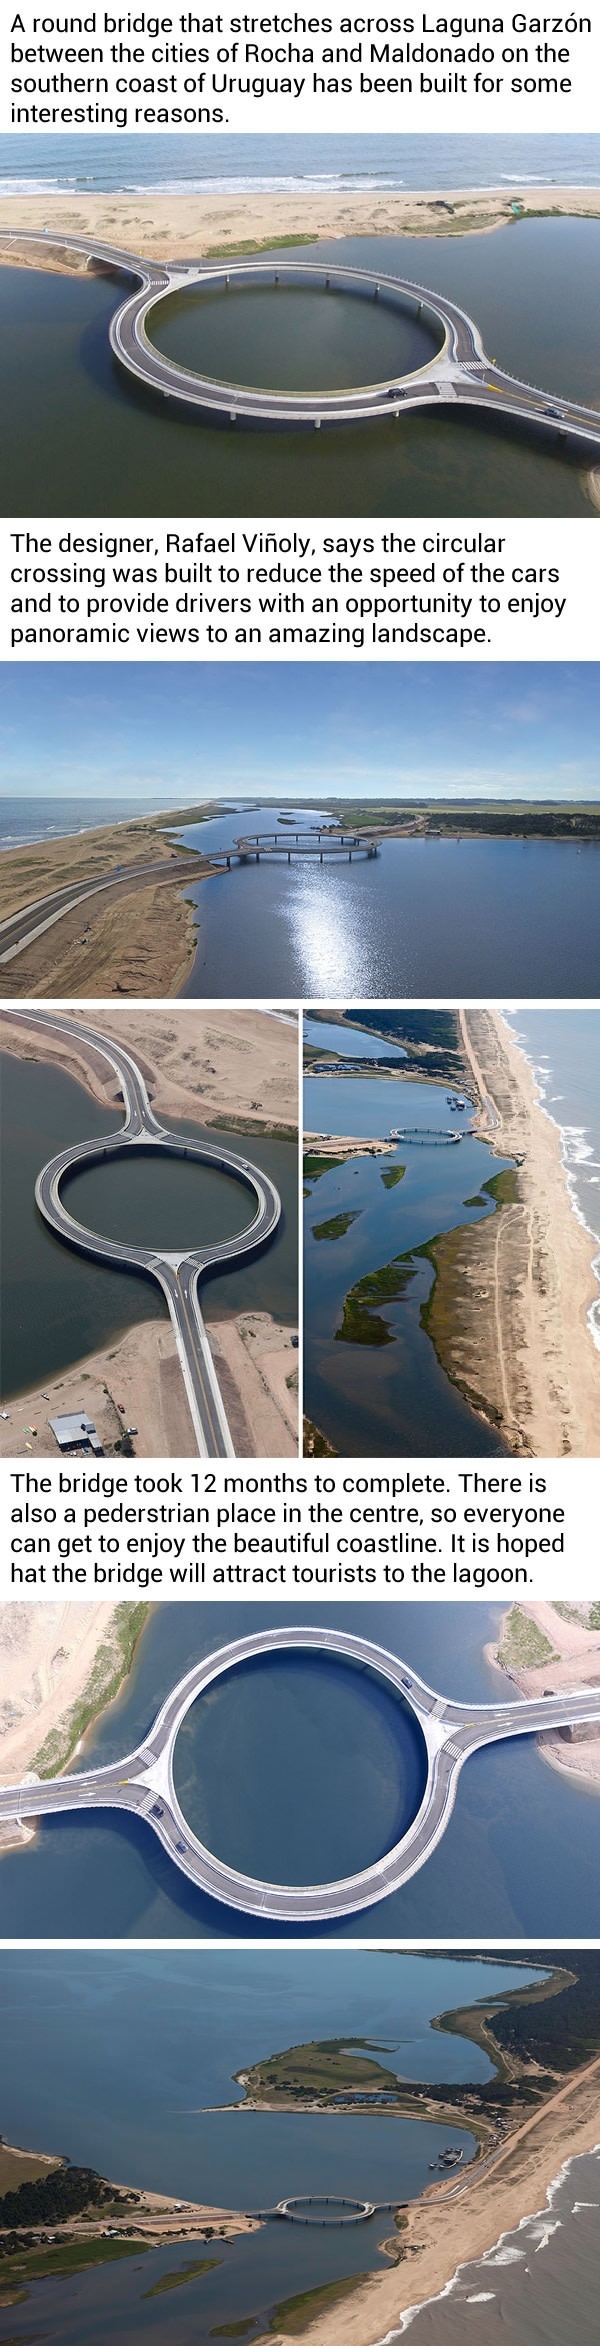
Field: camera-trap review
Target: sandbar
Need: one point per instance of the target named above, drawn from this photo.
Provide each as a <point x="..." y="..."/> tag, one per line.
<point x="190" y="225"/>
<point x="511" y="1314"/>
<point x="546" y="1649"/>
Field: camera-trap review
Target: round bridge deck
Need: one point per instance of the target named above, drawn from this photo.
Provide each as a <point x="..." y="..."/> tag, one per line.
<point x="460" y="371"/>
<point x="143" y="1781"/>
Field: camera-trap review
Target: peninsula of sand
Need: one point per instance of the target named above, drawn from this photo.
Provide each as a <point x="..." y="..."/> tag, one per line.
<point x="509" y="1315"/>
<point x="135" y="936"/>
<point x="201" y="226"/>
<point x="233" y="1069"/>
<point x="61" y="1665"/>
<point x="547" y="1649"/>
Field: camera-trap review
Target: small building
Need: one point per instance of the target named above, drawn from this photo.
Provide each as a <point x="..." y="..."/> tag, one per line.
<point x="77" y="1433"/>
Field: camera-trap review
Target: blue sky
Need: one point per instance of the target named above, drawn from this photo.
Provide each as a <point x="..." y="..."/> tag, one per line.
<point x="177" y="732"/>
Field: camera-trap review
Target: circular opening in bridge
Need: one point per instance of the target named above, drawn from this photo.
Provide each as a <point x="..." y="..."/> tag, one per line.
<point x="326" y="2211"/>
<point x="293" y="338"/>
<point x="299" y="1768"/>
<point x="146" y="1197"/>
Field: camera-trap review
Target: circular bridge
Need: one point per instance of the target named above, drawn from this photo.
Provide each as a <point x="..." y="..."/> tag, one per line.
<point x="307" y="2210"/>
<point x="460" y="369"/>
<point x="177" y="1272"/>
<point x="340" y="845"/>
<point x="143" y="1781"/>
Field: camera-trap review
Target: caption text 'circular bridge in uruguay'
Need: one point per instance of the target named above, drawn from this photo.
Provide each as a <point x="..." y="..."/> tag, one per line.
<point x="143" y="1782"/>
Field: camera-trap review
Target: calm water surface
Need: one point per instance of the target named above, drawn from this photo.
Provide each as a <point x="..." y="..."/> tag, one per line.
<point x="519" y="1858"/>
<point x="290" y="339"/>
<point x="393" y="1398"/>
<point x="57" y="1305"/>
<point x="116" y="2059"/>
<point x="103" y="440"/>
<point x="426" y="917"/>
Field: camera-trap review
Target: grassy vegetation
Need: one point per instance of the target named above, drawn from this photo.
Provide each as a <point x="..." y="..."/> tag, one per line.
<point x="321" y="2068"/>
<point x="337" y="1227"/>
<point x="576" y="1613"/>
<point x="295" y="2313"/>
<point x="395" y="1173"/>
<point x="252" y="1124"/>
<point x="362" y="1323"/>
<point x="189" y="2272"/>
<point x="314" y="1165"/>
<point x="503" y="1187"/>
<point x="524" y="1646"/>
<point x="250" y="244"/>
<point x="59" y="2261"/>
<point x="236" y="2329"/>
<point x="111" y="1665"/>
<point x="315" y="1443"/>
<point x="15" y="2168"/>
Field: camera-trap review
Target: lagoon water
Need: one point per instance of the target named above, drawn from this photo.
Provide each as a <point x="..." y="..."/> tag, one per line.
<point x="123" y="2060"/>
<point x="527" y="286"/>
<point x="390" y="1398"/>
<point x="425" y="917"/>
<point x="519" y="1858"/>
<point x="57" y="1306"/>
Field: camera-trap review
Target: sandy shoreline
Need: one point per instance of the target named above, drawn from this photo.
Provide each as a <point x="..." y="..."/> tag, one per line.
<point x="563" y="1652"/>
<point x="139" y="941"/>
<point x="201" y="1062"/>
<point x="62" y="1667"/>
<point x="514" y="1324"/>
<point x="441" y="2237"/>
<point x="187" y="225"/>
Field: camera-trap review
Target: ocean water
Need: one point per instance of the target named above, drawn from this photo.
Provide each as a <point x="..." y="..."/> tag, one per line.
<point x="125" y="2060"/>
<point x="519" y="1858"/>
<point x="104" y="437"/>
<point x="563" y="1047"/>
<point x="24" y="820"/>
<point x="174" y="163"/>
<point x="538" y="2286"/>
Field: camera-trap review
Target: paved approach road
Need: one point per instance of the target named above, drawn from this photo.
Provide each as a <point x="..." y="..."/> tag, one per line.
<point x="143" y="1782"/>
<point x="460" y="370"/>
<point x="178" y="1274"/>
<point x="22" y="928"/>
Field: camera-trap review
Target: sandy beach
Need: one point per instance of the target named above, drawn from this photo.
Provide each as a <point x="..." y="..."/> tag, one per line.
<point x="139" y="941"/>
<point x="210" y="1063"/>
<point x="563" y="1651"/>
<point x="61" y="1664"/>
<point x="189" y="225"/>
<point x="442" y="2236"/>
<point x="509" y="1315"/>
